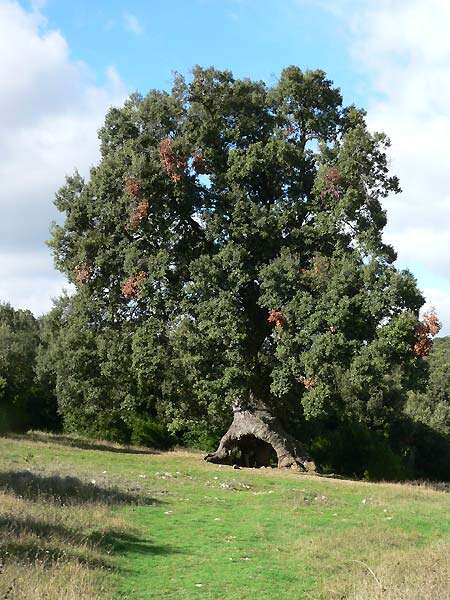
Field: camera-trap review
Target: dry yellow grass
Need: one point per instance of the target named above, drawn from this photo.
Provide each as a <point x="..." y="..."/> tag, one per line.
<point x="54" y="551"/>
<point x="415" y="574"/>
<point x="37" y="581"/>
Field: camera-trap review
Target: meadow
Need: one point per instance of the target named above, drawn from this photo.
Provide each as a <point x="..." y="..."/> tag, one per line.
<point x="91" y="520"/>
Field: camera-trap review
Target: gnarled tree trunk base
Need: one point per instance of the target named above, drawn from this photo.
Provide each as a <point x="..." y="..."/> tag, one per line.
<point x="260" y="440"/>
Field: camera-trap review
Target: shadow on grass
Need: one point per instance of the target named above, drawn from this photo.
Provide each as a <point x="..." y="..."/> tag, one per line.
<point x="68" y="490"/>
<point x="119" y="542"/>
<point x="29" y="540"/>
<point x="76" y="442"/>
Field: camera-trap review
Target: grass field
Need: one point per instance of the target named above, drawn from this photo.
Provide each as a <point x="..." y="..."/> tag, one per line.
<point x="83" y="520"/>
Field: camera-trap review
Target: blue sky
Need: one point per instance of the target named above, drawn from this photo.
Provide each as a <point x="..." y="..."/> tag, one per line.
<point x="64" y="63"/>
<point x="253" y="38"/>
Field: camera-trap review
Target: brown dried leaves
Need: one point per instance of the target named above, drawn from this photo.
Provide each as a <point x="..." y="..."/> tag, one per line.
<point x="277" y="318"/>
<point x="425" y="331"/>
<point x="173" y="164"/>
<point x="130" y="287"/>
<point x="83" y="273"/>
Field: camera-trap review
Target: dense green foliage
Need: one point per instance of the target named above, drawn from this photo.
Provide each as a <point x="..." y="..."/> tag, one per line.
<point x="433" y="407"/>
<point x="430" y="415"/>
<point x="229" y="243"/>
<point x="91" y="373"/>
<point x="26" y="400"/>
<point x="228" y="246"/>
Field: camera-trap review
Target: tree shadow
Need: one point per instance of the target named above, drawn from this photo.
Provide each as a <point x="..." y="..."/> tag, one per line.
<point x="120" y="542"/>
<point x="68" y="490"/>
<point x="26" y="540"/>
<point x="27" y="552"/>
<point x="76" y="442"/>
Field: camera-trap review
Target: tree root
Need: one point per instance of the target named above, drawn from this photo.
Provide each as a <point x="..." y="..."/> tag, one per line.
<point x="258" y="435"/>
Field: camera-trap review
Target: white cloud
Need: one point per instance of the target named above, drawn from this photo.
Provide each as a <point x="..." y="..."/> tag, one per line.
<point x="132" y="24"/>
<point x="54" y="108"/>
<point x="404" y="47"/>
<point x="29" y="280"/>
<point x="402" y="50"/>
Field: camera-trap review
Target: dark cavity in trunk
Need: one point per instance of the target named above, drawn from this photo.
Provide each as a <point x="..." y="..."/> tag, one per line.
<point x="256" y="438"/>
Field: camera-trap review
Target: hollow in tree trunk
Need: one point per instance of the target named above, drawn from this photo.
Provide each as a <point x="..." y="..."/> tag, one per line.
<point x="259" y="436"/>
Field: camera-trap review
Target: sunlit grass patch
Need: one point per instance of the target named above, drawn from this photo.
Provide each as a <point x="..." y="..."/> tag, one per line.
<point x="142" y="526"/>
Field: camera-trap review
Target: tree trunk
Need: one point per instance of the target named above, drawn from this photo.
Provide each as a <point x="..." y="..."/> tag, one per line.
<point x="258" y="436"/>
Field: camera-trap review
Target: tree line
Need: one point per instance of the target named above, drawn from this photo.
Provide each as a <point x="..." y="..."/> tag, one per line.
<point x="42" y="362"/>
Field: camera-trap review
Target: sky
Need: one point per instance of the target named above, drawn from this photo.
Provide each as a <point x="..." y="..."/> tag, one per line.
<point x="64" y="63"/>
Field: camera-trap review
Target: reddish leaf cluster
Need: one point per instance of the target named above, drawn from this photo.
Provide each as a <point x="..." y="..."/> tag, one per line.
<point x="332" y="181"/>
<point x="133" y="187"/>
<point x="320" y="267"/>
<point x="199" y="163"/>
<point x="333" y="176"/>
<point x="83" y="273"/>
<point x="432" y="322"/>
<point x="139" y="213"/>
<point x="173" y="164"/>
<point x="423" y="344"/>
<point x="425" y="331"/>
<point x="308" y="382"/>
<point x="289" y="130"/>
<point x="130" y="287"/>
<point x="276" y="317"/>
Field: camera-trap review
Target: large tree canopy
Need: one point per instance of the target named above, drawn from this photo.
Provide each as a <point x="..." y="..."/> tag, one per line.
<point x="231" y="238"/>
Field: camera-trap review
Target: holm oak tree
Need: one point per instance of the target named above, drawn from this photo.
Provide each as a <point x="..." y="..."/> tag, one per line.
<point x="232" y="232"/>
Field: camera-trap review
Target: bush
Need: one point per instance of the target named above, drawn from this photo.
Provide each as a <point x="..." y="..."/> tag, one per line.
<point x="199" y="436"/>
<point x="106" y="425"/>
<point x="146" y="431"/>
<point x="355" y="450"/>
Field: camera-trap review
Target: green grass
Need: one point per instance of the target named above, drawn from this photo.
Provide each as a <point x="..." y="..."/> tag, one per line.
<point x="169" y="526"/>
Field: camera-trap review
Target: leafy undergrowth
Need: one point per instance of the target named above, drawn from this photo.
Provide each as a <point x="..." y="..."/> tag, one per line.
<point x="82" y="519"/>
